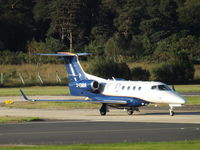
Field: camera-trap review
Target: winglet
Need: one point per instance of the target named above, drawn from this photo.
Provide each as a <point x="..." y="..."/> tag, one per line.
<point x="25" y="97"/>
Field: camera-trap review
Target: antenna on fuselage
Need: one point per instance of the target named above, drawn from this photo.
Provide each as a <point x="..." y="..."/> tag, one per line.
<point x="173" y="88"/>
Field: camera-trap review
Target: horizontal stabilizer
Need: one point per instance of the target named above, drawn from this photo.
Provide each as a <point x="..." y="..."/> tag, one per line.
<point x="63" y="54"/>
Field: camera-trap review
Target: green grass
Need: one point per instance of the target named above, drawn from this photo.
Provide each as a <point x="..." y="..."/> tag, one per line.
<point x="11" y="119"/>
<point x="192" y="100"/>
<point x="50" y="105"/>
<point x="30" y="72"/>
<point x="36" y="90"/>
<point x="188" y="88"/>
<point x="180" y="145"/>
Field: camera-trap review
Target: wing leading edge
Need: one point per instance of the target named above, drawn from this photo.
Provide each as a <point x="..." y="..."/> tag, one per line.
<point x="107" y="101"/>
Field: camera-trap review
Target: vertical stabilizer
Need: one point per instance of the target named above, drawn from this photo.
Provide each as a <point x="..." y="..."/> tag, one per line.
<point x="74" y="69"/>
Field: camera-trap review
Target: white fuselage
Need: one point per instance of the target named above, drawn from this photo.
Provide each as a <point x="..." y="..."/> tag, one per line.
<point x="153" y="92"/>
<point x="150" y="91"/>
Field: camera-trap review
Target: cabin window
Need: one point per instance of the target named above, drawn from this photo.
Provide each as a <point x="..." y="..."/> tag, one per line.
<point x="134" y="88"/>
<point x="123" y="87"/>
<point x="128" y="88"/>
<point x="139" y="88"/>
<point x="154" y="87"/>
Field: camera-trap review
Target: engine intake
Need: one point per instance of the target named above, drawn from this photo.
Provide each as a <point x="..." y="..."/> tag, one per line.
<point x="89" y="85"/>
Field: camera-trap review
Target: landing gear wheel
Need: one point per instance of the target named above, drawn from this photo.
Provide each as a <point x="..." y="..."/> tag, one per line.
<point x="102" y="113"/>
<point x="171" y="113"/>
<point x="130" y="112"/>
<point x="103" y="109"/>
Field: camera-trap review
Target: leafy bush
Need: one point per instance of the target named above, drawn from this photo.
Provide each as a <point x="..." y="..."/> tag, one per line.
<point x="108" y="68"/>
<point x="171" y="46"/>
<point x="178" y="71"/>
<point x="114" y="47"/>
<point x="50" y="45"/>
<point x="138" y="73"/>
<point x="8" y="57"/>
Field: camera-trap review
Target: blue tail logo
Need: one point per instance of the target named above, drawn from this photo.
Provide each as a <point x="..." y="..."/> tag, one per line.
<point x="79" y="82"/>
<point x="74" y="69"/>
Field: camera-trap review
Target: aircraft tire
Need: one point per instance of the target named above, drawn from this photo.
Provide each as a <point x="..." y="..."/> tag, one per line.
<point x="171" y="113"/>
<point x="102" y="113"/>
<point x="130" y="112"/>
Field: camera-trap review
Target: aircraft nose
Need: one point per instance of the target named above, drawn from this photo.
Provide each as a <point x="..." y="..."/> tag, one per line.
<point x="180" y="100"/>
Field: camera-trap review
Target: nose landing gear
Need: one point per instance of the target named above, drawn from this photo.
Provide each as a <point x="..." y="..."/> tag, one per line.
<point x="171" y="112"/>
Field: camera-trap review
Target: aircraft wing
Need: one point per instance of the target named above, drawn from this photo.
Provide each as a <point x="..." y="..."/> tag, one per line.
<point x="107" y="101"/>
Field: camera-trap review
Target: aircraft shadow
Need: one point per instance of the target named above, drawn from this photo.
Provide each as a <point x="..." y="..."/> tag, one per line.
<point x="153" y="113"/>
<point x="176" y="113"/>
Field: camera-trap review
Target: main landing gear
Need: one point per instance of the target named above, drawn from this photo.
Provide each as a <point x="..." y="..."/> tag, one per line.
<point x="131" y="110"/>
<point x="104" y="109"/>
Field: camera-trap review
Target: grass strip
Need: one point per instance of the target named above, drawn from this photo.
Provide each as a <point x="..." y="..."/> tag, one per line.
<point x="50" y="105"/>
<point x="36" y="90"/>
<point x="64" y="90"/>
<point x="180" y="145"/>
<point x="187" y="88"/>
<point x="12" y="119"/>
<point x="191" y="100"/>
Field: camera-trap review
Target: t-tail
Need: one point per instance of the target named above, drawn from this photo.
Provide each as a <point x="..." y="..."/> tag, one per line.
<point x="74" y="69"/>
<point x="80" y="82"/>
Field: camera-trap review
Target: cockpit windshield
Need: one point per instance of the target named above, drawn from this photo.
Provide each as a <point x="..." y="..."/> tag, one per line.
<point x="161" y="87"/>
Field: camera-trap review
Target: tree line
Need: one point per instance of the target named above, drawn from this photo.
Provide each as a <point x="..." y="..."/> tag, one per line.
<point x="125" y="30"/>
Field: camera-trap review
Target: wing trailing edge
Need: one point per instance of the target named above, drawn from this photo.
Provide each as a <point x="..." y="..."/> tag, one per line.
<point x="74" y="100"/>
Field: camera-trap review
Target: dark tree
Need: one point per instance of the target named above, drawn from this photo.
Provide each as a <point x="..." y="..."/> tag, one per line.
<point x="16" y="23"/>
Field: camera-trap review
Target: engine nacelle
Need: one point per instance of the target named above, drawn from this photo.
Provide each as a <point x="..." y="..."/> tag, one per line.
<point x="89" y="85"/>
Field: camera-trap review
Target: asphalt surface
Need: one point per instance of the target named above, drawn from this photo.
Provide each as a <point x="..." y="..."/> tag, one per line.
<point x="84" y="132"/>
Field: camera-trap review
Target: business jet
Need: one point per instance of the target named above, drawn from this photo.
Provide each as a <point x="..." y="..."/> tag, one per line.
<point x="121" y="94"/>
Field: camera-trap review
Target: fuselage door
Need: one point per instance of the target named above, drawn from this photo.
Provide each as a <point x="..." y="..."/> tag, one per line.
<point x="117" y="87"/>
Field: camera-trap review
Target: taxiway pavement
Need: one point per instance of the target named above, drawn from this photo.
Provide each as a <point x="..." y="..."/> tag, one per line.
<point x="84" y="132"/>
<point x="186" y="114"/>
<point x="156" y="116"/>
<point x="82" y="126"/>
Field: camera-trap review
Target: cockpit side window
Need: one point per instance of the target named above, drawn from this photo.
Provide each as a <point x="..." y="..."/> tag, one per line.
<point x="163" y="88"/>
